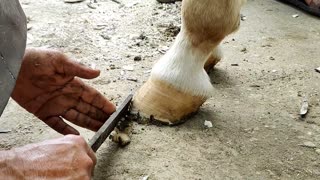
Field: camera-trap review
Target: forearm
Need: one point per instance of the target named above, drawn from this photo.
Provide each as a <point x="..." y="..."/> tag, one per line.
<point x="7" y="167"/>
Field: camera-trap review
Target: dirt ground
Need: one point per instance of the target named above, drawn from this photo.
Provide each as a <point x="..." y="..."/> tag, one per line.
<point x="266" y="73"/>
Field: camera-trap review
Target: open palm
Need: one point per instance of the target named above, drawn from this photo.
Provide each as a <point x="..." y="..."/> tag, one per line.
<point x="48" y="87"/>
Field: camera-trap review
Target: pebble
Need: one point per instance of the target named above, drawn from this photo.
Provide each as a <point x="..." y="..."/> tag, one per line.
<point x="208" y="124"/>
<point x="4" y="131"/>
<point x="304" y="108"/>
<point x="73" y="1"/>
<point x="244" y="50"/>
<point x="295" y="15"/>
<point x="137" y="58"/>
<point x="318" y="69"/>
<point x="272" y="58"/>
<point x="243" y="17"/>
<point x="112" y="66"/>
<point x="132" y="79"/>
<point x="145" y="178"/>
<point x="318" y="151"/>
<point x="308" y="144"/>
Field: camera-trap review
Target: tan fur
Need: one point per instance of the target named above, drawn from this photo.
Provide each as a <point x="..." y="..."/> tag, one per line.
<point x="207" y="22"/>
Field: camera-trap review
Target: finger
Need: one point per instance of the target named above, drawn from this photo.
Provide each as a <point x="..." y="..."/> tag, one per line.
<point x="60" y="126"/>
<point x="82" y="120"/>
<point x="74" y="68"/>
<point x="64" y="65"/>
<point x="91" y="111"/>
<point x="94" y="98"/>
<point x="56" y="106"/>
<point x="92" y="155"/>
<point x="85" y="147"/>
<point x="90" y="96"/>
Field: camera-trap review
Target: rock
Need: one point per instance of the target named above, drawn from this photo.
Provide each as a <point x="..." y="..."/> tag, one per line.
<point x="243" y="17"/>
<point x="145" y="178"/>
<point x="244" y="50"/>
<point x="304" y="108"/>
<point x="208" y="124"/>
<point x="308" y="144"/>
<point x="132" y="79"/>
<point x="147" y="72"/>
<point x="29" y="27"/>
<point x="112" y="66"/>
<point x="318" y="69"/>
<point x="91" y="5"/>
<point x="105" y="36"/>
<point x="163" y="49"/>
<point x="272" y="58"/>
<point x="172" y="30"/>
<point x="318" y="151"/>
<point x="137" y="58"/>
<point x="295" y="15"/>
<point x="4" y="131"/>
<point x="73" y="1"/>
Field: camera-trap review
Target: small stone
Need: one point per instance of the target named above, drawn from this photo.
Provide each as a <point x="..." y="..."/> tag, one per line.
<point x="132" y="79"/>
<point x="208" y="124"/>
<point x="105" y="36"/>
<point x="243" y="17"/>
<point x="137" y="58"/>
<point x="142" y="36"/>
<point x="272" y="58"/>
<point x="29" y="27"/>
<point x="4" y="131"/>
<point x="147" y="72"/>
<point x="318" y="69"/>
<point x="295" y="15"/>
<point x="318" y="151"/>
<point x="163" y="49"/>
<point x="304" y="108"/>
<point x="308" y="144"/>
<point x="235" y="64"/>
<point x="145" y="178"/>
<point x="73" y="1"/>
<point x="244" y="50"/>
<point x="112" y="66"/>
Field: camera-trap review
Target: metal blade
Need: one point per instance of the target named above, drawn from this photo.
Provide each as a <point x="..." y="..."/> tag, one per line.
<point x="110" y="124"/>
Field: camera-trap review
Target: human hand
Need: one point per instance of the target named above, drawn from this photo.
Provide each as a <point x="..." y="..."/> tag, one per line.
<point x="68" y="157"/>
<point x="48" y="87"/>
<point x="313" y="3"/>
